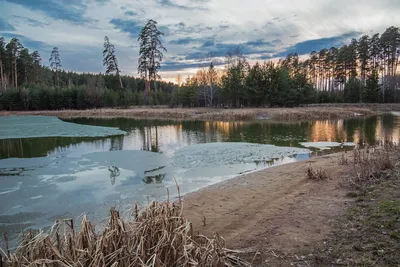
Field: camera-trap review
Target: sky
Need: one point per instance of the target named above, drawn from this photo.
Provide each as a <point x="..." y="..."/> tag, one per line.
<point x="195" y="31"/>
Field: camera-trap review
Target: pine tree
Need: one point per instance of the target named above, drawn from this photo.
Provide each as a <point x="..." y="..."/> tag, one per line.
<point x="14" y="48"/>
<point x="2" y="54"/>
<point x="110" y="59"/>
<point x="55" y="63"/>
<point x="36" y="65"/>
<point x="372" y="92"/>
<point x="150" y="53"/>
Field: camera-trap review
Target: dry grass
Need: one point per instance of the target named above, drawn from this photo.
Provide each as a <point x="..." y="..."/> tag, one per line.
<point x="369" y="165"/>
<point x="278" y="114"/>
<point x="317" y="175"/>
<point x="158" y="236"/>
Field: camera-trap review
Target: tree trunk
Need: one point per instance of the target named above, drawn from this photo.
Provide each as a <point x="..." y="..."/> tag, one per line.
<point x="120" y="81"/>
<point x="119" y="77"/>
<point x="1" y="74"/>
<point x="16" y="74"/>
<point x="57" y="78"/>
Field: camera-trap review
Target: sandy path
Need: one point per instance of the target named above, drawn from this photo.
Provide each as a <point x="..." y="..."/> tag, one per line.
<point x="276" y="210"/>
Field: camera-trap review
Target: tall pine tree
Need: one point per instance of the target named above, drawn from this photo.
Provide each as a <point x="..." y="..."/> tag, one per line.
<point x="110" y="59"/>
<point x="150" y="53"/>
<point x="55" y="63"/>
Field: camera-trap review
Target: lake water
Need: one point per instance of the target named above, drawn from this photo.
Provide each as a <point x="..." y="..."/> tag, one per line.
<point x="46" y="178"/>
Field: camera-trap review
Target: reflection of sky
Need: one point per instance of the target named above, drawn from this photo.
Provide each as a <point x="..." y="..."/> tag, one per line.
<point x="168" y="137"/>
<point x="66" y="183"/>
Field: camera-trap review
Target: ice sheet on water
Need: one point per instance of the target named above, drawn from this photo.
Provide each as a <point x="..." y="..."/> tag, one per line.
<point x="219" y="154"/>
<point x="326" y="145"/>
<point x="135" y="160"/>
<point x="45" y="126"/>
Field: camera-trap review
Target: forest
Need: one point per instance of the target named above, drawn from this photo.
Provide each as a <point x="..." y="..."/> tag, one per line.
<point x="361" y="71"/>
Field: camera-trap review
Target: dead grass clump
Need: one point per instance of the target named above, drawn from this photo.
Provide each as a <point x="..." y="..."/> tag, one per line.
<point x="157" y="236"/>
<point x="369" y="165"/>
<point x="343" y="160"/>
<point x="317" y="175"/>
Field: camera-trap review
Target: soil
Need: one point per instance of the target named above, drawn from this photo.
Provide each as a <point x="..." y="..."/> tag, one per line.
<point x="274" y="212"/>
<point x="280" y="217"/>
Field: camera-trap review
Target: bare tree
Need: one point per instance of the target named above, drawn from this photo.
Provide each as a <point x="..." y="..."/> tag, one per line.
<point x="207" y="79"/>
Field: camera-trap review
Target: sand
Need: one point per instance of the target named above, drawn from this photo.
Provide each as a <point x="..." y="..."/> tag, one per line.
<point x="273" y="211"/>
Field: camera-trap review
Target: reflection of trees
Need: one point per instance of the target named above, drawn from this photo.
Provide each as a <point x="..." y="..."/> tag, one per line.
<point x="154" y="179"/>
<point x="42" y="146"/>
<point x="114" y="173"/>
<point x="328" y="131"/>
<point x="117" y="143"/>
<point x="149" y="136"/>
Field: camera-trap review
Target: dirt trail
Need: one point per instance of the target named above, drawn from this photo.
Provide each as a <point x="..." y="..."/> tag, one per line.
<point x="274" y="211"/>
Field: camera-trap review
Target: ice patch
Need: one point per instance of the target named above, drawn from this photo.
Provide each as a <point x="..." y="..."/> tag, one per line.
<point x="219" y="154"/>
<point x="11" y="190"/>
<point x="395" y="113"/>
<point x="12" y="127"/>
<point x="326" y="145"/>
<point x="134" y="160"/>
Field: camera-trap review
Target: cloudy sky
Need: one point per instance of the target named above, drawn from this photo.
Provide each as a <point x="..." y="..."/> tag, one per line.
<point x="194" y="29"/>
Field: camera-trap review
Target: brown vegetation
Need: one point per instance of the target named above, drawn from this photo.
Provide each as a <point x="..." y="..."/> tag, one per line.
<point x="281" y="114"/>
<point x="317" y="175"/>
<point x="158" y="236"/>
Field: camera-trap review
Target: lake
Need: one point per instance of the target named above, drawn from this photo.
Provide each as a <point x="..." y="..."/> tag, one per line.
<point x="46" y="178"/>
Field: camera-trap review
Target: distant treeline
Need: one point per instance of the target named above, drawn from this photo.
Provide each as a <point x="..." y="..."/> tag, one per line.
<point x="364" y="70"/>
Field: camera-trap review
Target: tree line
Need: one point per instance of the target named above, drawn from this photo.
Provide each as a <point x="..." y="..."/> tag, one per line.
<point x="365" y="70"/>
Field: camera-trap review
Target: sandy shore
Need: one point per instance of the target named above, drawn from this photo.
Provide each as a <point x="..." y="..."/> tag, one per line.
<point x="277" y="210"/>
<point x="279" y="114"/>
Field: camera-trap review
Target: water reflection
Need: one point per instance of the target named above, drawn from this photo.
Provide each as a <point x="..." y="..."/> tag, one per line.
<point x="167" y="136"/>
<point x="114" y="173"/>
<point x="155" y="179"/>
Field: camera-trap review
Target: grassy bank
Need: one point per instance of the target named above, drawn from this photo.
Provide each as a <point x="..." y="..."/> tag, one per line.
<point x="369" y="232"/>
<point x="286" y="114"/>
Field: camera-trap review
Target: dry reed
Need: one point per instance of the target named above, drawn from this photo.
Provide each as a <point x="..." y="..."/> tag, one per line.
<point x="317" y="175"/>
<point x="206" y="114"/>
<point x="157" y="236"/>
<point x="369" y="164"/>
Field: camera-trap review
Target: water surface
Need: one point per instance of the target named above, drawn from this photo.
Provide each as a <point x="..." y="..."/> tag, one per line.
<point x="42" y="179"/>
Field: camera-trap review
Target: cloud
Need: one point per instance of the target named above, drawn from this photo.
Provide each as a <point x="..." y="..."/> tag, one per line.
<point x="208" y="43"/>
<point x="30" y="22"/>
<point x="5" y="26"/>
<point x="130" y="13"/>
<point x="190" y="5"/>
<point x="211" y="49"/>
<point x="128" y="26"/>
<point x="308" y="46"/>
<point x="72" y="11"/>
<point x="183" y="41"/>
<point x="27" y="42"/>
<point x="176" y="66"/>
<point x="260" y="42"/>
<point x="193" y="29"/>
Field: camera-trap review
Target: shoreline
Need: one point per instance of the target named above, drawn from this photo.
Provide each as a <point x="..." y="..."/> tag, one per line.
<point x="275" y="209"/>
<point x="312" y="112"/>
